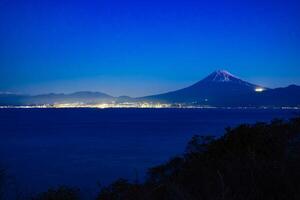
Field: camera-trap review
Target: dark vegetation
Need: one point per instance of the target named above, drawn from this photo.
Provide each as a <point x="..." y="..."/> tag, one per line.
<point x="60" y="193"/>
<point x="250" y="162"/>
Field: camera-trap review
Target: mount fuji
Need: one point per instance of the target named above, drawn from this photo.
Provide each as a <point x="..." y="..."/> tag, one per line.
<point x="221" y="88"/>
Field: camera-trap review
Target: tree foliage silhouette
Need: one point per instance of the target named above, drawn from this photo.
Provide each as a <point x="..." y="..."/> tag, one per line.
<point x="60" y="193"/>
<point x="249" y="162"/>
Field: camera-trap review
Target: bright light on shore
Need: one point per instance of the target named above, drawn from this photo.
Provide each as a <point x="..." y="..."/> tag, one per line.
<point x="259" y="89"/>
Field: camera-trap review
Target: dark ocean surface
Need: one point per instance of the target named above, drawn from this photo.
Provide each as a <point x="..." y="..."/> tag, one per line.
<point x="42" y="148"/>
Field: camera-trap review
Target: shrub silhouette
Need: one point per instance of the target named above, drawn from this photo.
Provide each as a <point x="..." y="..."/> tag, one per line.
<point x="250" y="162"/>
<point x="60" y="193"/>
<point x="121" y="189"/>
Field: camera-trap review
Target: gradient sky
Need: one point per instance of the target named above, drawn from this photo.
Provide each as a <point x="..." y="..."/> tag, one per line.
<point x="144" y="47"/>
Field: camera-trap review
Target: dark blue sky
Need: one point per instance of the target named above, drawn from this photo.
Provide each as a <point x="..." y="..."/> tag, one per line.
<point x="144" y="47"/>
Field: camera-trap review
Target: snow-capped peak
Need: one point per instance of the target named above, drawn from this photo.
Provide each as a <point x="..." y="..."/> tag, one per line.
<point x="221" y="76"/>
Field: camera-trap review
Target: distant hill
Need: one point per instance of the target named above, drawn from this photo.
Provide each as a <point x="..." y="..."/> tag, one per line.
<point x="52" y="98"/>
<point x="219" y="89"/>
<point x="286" y="96"/>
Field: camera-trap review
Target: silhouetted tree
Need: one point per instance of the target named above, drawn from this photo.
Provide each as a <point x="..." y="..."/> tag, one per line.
<point x="249" y="162"/>
<point x="121" y="189"/>
<point x="60" y="193"/>
<point x="198" y="144"/>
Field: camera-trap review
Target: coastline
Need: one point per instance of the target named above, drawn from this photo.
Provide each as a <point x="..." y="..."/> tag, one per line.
<point x="154" y="106"/>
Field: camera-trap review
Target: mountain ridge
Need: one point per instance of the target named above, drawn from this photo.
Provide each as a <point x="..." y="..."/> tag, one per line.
<point x="220" y="88"/>
<point x="218" y="85"/>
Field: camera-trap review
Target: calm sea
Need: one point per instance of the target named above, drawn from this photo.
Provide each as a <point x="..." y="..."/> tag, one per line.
<point x="42" y="148"/>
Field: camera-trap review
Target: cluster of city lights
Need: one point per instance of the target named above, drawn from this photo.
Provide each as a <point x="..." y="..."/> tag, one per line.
<point x="112" y="105"/>
<point x="98" y="105"/>
<point x="140" y="105"/>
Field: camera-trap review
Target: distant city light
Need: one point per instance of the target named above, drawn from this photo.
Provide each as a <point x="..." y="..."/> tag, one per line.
<point x="259" y="89"/>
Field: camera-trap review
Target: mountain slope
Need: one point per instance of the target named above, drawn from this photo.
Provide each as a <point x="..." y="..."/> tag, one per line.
<point x="286" y="96"/>
<point x="221" y="88"/>
<point x="218" y="88"/>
